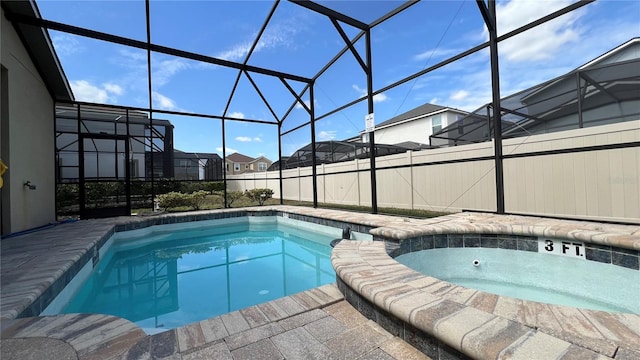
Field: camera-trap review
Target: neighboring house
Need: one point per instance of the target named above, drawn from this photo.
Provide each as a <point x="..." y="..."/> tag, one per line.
<point x="197" y="166"/>
<point x="415" y="125"/>
<point x="603" y="91"/>
<point x="31" y="81"/>
<point x="237" y="163"/>
<point x="106" y="162"/>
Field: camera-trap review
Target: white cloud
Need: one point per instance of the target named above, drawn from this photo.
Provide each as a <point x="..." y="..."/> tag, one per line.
<point x="236" y="114"/>
<point x="113" y="88"/>
<point x="376" y="98"/>
<point x="164" y="70"/>
<point x="164" y="103"/>
<point x="66" y="44"/>
<point x="228" y="149"/>
<point x="379" y="98"/>
<point x="248" y="139"/>
<point x="276" y="35"/>
<point x="326" y="135"/>
<point x="542" y="42"/>
<point x="306" y="102"/>
<point x="459" y="95"/>
<point x="83" y="90"/>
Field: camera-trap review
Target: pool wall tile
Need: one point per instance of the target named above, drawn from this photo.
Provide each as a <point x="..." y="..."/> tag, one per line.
<point x="455" y="241"/>
<point x="489" y="241"/>
<point x="507" y="243"/>
<point x="405" y="246"/>
<point x="527" y="244"/>
<point x="440" y="241"/>
<point x="625" y="260"/>
<point x="602" y="256"/>
<point x="471" y="240"/>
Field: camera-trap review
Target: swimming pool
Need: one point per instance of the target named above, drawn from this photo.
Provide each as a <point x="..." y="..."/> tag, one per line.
<point x="167" y="276"/>
<point x="532" y="276"/>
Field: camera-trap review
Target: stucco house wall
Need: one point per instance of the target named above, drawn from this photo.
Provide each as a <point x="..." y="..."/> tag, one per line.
<point x="27" y="142"/>
<point x="416" y="129"/>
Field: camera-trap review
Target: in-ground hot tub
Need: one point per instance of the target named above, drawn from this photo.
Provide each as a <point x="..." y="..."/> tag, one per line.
<point x="564" y="277"/>
<point x="445" y="320"/>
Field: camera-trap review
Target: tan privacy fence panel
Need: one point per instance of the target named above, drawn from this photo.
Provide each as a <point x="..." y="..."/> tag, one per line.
<point x="599" y="179"/>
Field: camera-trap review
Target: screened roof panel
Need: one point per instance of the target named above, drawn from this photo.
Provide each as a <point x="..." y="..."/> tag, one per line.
<point x="103" y="16"/>
<point x="430" y="31"/>
<point x="221" y="29"/>
<point x="292" y="32"/>
<point x="209" y="85"/>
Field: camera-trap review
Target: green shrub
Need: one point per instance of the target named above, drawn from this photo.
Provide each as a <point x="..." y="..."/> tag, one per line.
<point x="172" y="200"/>
<point x="175" y="199"/>
<point x="233" y="196"/>
<point x="197" y="199"/>
<point x="259" y="195"/>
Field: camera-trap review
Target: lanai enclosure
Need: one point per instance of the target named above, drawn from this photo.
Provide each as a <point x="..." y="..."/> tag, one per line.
<point x="567" y="148"/>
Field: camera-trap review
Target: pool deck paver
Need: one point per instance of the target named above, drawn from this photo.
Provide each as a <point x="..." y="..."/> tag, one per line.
<point x="319" y="323"/>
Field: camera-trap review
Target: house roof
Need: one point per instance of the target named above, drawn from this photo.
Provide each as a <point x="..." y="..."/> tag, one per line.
<point x="179" y="154"/>
<point x="260" y="158"/>
<point x="423" y="109"/>
<point x="239" y="158"/>
<point x="412" y="145"/>
<point x="40" y="48"/>
<point x="613" y="54"/>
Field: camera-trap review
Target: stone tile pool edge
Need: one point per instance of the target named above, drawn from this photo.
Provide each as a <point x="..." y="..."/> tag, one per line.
<point x="35" y="288"/>
<point x="453" y="321"/>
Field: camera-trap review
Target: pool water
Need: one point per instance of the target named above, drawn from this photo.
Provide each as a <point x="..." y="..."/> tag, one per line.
<point x="168" y="279"/>
<point x="533" y="276"/>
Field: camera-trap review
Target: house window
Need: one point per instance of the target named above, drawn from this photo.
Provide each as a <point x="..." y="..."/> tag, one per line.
<point x="184" y="164"/>
<point x="436" y="124"/>
<point x="262" y="166"/>
<point x="226" y="167"/>
<point x="246" y="166"/>
<point x="236" y="167"/>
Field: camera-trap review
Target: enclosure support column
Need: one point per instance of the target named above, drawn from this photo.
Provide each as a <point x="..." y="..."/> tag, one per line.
<point x="224" y="164"/>
<point x="491" y="23"/>
<point x="148" y="18"/>
<point x="127" y="170"/>
<point x="372" y="142"/>
<point x="314" y="172"/>
<point x="579" y="97"/>
<point x="81" y="183"/>
<point x="280" y="162"/>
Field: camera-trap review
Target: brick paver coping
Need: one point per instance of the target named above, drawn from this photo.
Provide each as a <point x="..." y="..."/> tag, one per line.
<point x="471" y="323"/>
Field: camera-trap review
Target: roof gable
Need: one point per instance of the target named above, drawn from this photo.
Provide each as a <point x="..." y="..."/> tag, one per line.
<point x="423" y="109"/>
<point x="239" y="158"/>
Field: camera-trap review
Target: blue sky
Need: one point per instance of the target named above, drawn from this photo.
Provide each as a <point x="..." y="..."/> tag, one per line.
<point x="300" y="42"/>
